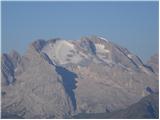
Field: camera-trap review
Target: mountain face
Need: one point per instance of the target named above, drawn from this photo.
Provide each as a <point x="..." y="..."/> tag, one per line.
<point x="61" y="78"/>
<point x="153" y="62"/>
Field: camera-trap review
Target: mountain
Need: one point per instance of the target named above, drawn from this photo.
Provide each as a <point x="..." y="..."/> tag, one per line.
<point x="61" y="78"/>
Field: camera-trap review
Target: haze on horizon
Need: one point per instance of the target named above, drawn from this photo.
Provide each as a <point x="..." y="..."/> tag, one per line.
<point x="133" y="25"/>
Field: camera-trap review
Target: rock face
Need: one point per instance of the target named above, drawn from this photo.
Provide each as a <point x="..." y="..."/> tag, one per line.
<point x="61" y="78"/>
<point x="38" y="91"/>
<point x="154" y="63"/>
<point x="9" y="63"/>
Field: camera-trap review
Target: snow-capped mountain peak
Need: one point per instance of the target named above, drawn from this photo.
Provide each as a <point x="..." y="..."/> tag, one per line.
<point x="60" y="78"/>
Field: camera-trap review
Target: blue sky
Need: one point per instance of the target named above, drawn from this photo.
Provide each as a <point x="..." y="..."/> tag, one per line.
<point x="133" y="25"/>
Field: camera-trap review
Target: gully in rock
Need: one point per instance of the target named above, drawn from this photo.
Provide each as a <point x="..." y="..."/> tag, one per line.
<point x="69" y="83"/>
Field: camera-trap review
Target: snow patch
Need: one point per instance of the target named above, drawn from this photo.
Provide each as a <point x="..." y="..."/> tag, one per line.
<point x="63" y="52"/>
<point x="101" y="48"/>
<point x="129" y="55"/>
<point x="103" y="39"/>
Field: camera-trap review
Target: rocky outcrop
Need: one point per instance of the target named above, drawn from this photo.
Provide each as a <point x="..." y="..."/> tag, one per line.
<point x="153" y="62"/>
<point x="9" y="63"/>
<point x="38" y="92"/>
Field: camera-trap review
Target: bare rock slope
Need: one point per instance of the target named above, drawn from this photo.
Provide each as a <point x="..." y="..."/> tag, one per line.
<point x="153" y="62"/>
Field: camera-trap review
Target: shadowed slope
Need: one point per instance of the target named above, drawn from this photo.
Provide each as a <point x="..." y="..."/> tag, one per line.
<point x="69" y="83"/>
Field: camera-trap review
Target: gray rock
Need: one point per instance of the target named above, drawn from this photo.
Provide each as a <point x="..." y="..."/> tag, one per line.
<point x="38" y="92"/>
<point x="153" y="62"/>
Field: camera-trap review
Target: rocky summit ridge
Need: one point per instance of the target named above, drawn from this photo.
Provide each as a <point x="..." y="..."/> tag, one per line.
<point x="61" y="78"/>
